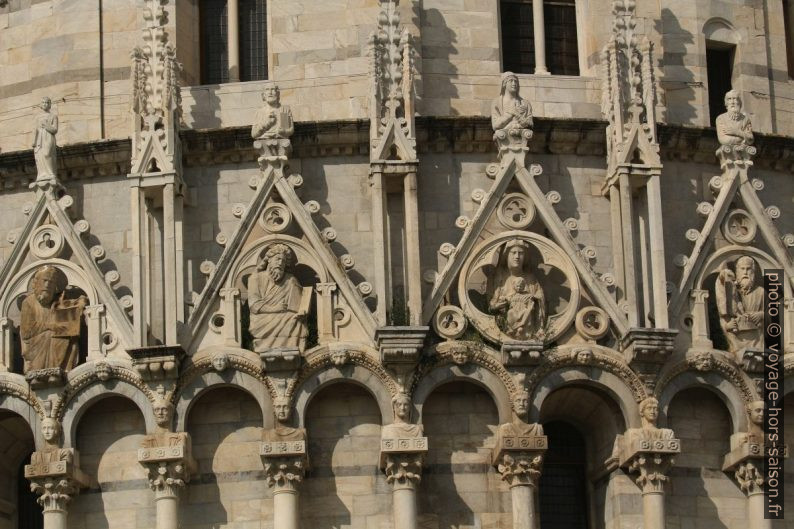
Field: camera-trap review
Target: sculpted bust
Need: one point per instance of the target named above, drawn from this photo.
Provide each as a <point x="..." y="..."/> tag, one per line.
<point x="519" y="428"/>
<point x="402" y="427"/>
<point x="517" y="294"/>
<point x="755" y="430"/>
<point x="282" y="432"/>
<point x="50" y="324"/>
<point x="734" y="127"/>
<point x="649" y="413"/>
<point x="51" y="453"/>
<point x="45" y="150"/>
<point x="740" y="303"/>
<point x="278" y="304"/>
<point x="510" y="112"/>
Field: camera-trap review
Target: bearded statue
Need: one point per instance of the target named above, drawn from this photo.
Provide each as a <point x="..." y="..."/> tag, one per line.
<point x="734" y="127"/>
<point x="740" y="303"/>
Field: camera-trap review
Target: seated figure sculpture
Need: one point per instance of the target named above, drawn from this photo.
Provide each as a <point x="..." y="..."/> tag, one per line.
<point x="273" y="125"/>
<point x="740" y="301"/>
<point x="734" y="127"/>
<point x="50" y="324"/>
<point x="402" y="427"/>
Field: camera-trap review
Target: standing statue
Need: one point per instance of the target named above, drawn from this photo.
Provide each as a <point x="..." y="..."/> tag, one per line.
<point x="511" y="116"/>
<point x="45" y="150"/>
<point x="734" y="127"/>
<point x="740" y="304"/>
<point x="402" y="427"/>
<point x="278" y="304"/>
<point x="517" y="295"/>
<point x="50" y="328"/>
<point x="273" y="124"/>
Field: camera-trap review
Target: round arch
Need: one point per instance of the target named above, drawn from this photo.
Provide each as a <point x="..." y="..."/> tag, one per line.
<point x="610" y="384"/>
<point x="720" y="386"/>
<point x="720" y="30"/>
<point x="230" y="378"/>
<point x="80" y="403"/>
<point x="27" y="412"/>
<point x="349" y="373"/>
<point x="473" y="373"/>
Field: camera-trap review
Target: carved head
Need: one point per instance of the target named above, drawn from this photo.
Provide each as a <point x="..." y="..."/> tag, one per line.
<point x="278" y="259"/>
<point x="510" y="84"/>
<point x="47" y="282"/>
<point x="733" y="102"/>
<point x="271" y="95"/>
<point x="282" y="408"/>
<point x="163" y="409"/>
<point x="103" y="371"/>
<point x="402" y="407"/>
<point x="46" y="104"/>
<point x="50" y="430"/>
<point x="649" y="410"/>
<point x="516" y="254"/>
<point x="520" y="285"/>
<point x="755" y="411"/>
<point x="220" y="361"/>
<point x="521" y="404"/>
<point x="745" y="272"/>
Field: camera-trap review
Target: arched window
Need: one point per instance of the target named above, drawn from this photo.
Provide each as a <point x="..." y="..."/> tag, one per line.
<point x="563" y="482"/>
<point x="549" y="46"/>
<point x="233" y="48"/>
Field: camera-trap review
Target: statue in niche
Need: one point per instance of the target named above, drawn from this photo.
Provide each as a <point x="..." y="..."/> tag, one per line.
<point x="283" y="432"/>
<point x="734" y="127"/>
<point x="517" y="295"/>
<point x="402" y="426"/>
<point x="519" y="427"/>
<point x="740" y="304"/>
<point x="649" y="413"/>
<point x="510" y="112"/>
<point x="45" y="150"/>
<point x="277" y="302"/>
<point x="50" y="327"/>
<point x="273" y="124"/>
<point x="51" y="453"/>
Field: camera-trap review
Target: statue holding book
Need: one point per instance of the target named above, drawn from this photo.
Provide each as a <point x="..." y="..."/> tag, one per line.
<point x="50" y="327"/>
<point x="277" y="302"/>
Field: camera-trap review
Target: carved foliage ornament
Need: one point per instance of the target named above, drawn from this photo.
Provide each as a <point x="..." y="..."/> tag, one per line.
<point x="519" y="286"/>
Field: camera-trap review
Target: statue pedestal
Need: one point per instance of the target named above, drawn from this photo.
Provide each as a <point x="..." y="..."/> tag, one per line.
<point x="157" y="362"/>
<point x="51" y="377"/>
<point x="401" y="459"/>
<point x="56" y="477"/>
<point x="169" y="464"/>
<point x="286" y="463"/>
<point x="285" y="359"/>
<point x="519" y="460"/>
<point x="651" y="459"/>
<point x="522" y="353"/>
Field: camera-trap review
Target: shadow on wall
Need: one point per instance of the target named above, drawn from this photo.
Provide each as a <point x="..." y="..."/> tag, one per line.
<point x="438" y="45"/>
<point x="678" y="80"/>
<point x="459" y="488"/>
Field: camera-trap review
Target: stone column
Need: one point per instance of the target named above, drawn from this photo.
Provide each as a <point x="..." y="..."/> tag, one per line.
<point x="285" y="463"/>
<point x="5" y="345"/>
<point x="413" y="269"/>
<point x="539" y="26"/>
<point x="55" y="476"/>
<point x="700" y="318"/>
<point x="94" y="315"/>
<point x="166" y="457"/>
<point x="233" y="40"/>
<point x="650" y="458"/>
<point x="519" y="460"/>
<point x="401" y="459"/>
<point x="746" y="462"/>
<point x="325" y="311"/>
<point x="230" y="305"/>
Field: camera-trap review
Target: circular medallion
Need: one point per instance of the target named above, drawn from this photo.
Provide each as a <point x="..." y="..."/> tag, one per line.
<point x="449" y="322"/>
<point x="592" y="323"/>
<point x="276" y="218"/>
<point x="739" y="227"/>
<point x="516" y="211"/>
<point x="46" y="242"/>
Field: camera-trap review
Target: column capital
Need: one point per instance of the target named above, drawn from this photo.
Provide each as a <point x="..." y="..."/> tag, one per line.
<point x="749" y="474"/>
<point x="649" y="452"/>
<point x="652" y="469"/>
<point x="402" y="459"/>
<point x="54" y="475"/>
<point x="285" y="458"/>
<point x="168" y="461"/>
<point x="520" y="468"/>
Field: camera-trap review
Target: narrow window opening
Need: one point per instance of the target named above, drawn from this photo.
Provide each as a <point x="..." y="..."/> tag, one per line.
<point x="253" y="40"/>
<point x="562" y="45"/>
<point x="214" y="52"/>
<point x="788" y="21"/>
<point x="719" y="64"/>
<point x="518" y="36"/>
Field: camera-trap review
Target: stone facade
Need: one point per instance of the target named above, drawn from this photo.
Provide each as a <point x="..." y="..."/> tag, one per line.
<point x="372" y="291"/>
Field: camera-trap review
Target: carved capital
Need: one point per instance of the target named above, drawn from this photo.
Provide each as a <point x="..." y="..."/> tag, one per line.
<point x="168" y="462"/>
<point x="167" y="478"/>
<point x="750" y="477"/>
<point x="55" y="476"/>
<point x="652" y="469"/>
<point x="285" y="473"/>
<point x="325" y="289"/>
<point x="54" y="491"/>
<point x="519" y="468"/>
<point x="403" y="470"/>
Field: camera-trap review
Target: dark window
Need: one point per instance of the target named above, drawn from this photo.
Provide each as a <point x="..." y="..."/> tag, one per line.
<point x="29" y="515"/>
<point x="787" y="23"/>
<point x="518" y="44"/>
<point x="214" y="54"/>
<point x="253" y="40"/>
<point x="562" y="46"/>
<point x="562" y="488"/>
<point x="719" y="64"/>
